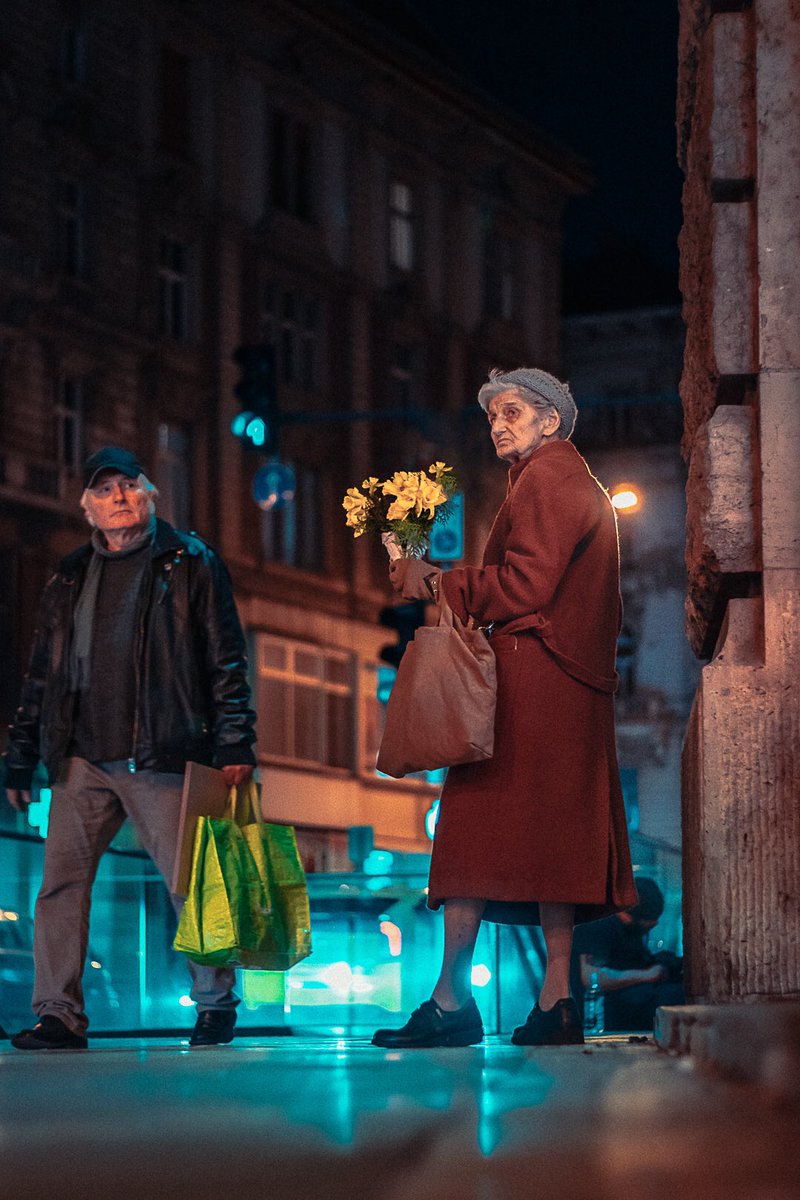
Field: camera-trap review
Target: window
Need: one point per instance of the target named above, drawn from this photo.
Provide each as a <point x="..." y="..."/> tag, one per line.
<point x="402" y="375"/>
<point x="304" y="698"/>
<point x="290" y="175"/>
<point x="173" y="289"/>
<point x="499" y="277"/>
<point x="290" y="323"/>
<point x="174" y="106"/>
<point x="69" y="412"/>
<point x="401" y="226"/>
<point x="173" y="475"/>
<point x="70" y="213"/>
<point x="292" y="535"/>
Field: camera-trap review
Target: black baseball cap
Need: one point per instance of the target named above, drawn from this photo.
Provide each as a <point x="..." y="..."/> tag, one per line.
<point x="111" y="458"/>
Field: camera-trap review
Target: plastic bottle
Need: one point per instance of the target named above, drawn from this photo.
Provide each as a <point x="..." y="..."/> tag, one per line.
<point x="593" y="1008"/>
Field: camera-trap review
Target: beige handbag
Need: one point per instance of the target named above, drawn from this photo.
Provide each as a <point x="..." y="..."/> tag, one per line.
<point x="441" y="710"/>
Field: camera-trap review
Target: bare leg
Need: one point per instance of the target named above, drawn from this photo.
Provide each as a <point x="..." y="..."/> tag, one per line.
<point x="557" y="925"/>
<point x="462" y="922"/>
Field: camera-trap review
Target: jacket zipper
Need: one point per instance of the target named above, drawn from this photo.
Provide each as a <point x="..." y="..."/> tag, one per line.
<point x="138" y="666"/>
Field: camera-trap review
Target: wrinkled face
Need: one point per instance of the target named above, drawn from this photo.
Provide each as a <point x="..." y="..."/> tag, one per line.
<point x="114" y="503"/>
<point x="517" y="428"/>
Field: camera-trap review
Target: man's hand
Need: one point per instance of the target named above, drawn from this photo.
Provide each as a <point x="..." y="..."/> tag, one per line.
<point x="18" y="799"/>
<point x="235" y="776"/>
<point x="414" y="579"/>
<point x="656" y="974"/>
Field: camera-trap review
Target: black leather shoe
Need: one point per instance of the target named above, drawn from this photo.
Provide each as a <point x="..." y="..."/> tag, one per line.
<point x="430" y="1025"/>
<point x="559" y="1026"/>
<point x="49" y="1034"/>
<point x="214" y="1027"/>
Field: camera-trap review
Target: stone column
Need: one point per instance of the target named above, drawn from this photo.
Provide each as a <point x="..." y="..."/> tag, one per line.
<point x="739" y="135"/>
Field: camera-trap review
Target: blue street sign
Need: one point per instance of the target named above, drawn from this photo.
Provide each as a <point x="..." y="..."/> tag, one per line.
<point x="273" y="486"/>
<point x="447" y="534"/>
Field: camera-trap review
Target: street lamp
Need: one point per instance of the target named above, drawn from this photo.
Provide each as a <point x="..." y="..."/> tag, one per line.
<point x="625" y="498"/>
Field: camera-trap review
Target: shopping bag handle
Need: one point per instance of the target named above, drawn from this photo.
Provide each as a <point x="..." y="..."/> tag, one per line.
<point x="244" y="804"/>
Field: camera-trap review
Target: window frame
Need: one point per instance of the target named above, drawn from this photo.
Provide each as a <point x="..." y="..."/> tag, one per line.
<point x="292" y="321"/>
<point x="292" y="678"/>
<point x="175" y="321"/>
<point x="71" y="227"/>
<point x="402" y="226"/>
<point x="70" y="416"/>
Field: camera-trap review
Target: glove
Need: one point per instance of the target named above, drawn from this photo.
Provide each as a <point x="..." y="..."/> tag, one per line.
<point x="415" y="579"/>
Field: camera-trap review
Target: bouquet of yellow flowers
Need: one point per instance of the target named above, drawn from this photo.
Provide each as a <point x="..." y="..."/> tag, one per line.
<point x="402" y="509"/>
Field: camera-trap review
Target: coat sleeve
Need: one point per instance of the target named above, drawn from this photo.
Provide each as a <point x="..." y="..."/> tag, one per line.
<point x="226" y="664"/>
<point x="551" y="513"/>
<point x="23" y="751"/>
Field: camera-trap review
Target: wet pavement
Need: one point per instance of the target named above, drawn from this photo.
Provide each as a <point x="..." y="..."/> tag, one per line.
<point x="286" y="1118"/>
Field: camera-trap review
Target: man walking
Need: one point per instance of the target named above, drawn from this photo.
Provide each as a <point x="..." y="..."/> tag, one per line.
<point x="138" y="666"/>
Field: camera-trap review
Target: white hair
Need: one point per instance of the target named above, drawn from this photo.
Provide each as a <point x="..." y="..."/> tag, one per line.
<point x="143" y="484"/>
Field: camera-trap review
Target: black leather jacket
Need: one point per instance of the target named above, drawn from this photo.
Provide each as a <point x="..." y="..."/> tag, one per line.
<point x="192" y="693"/>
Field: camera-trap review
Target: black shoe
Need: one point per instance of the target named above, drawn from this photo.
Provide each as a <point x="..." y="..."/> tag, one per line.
<point x="214" y="1027"/>
<point x="49" y="1034"/>
<point x="559" y="1026"/>
<point x="430" y="1025"/>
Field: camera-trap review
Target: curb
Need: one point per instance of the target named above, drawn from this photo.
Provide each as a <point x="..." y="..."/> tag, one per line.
<point x="755" y="1043"/>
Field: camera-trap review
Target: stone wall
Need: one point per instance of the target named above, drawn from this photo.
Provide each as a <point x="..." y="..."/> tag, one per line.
<point x="739" y="144"/>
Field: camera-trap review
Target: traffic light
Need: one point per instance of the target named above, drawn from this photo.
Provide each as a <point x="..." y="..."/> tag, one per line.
<point x="405" y="619"/>
<point x="257" y="424"/>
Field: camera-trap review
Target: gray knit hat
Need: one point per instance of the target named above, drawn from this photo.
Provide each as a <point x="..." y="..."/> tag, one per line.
<point x="544" y="387"/>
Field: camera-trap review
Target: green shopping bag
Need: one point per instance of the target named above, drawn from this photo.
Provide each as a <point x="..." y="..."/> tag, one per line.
<point x="248" y="903"/>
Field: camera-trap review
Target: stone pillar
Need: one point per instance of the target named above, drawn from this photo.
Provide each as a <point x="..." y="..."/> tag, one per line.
<point x="739" y="136"/>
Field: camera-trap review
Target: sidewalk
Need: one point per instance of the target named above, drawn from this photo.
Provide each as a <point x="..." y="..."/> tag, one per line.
<point x="298" y="1117"/>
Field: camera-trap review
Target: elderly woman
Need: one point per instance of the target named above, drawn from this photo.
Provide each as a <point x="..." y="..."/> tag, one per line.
<point x="537" y="833"/>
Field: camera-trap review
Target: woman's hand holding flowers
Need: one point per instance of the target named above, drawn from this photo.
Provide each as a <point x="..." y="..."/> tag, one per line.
<point x="415" y="579"/>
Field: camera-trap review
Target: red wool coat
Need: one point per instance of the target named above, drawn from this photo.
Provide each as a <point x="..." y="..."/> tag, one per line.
<point x="543" y="819"/>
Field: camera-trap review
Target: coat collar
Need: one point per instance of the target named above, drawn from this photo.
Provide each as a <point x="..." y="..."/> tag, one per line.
<point x="565" y="449"/>
<point x="165" y="541"/>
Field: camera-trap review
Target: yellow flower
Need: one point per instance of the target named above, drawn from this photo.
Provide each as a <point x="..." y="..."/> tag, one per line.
<point x="404" y="485"/>
<point x="438" y="469"/>
<point x="357" y="506"/>
<point x="431" y="495"/>
<point x="370" y="484"/>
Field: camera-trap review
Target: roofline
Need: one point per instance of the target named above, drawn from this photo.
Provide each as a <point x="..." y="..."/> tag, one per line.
<point x="338" y="17"/>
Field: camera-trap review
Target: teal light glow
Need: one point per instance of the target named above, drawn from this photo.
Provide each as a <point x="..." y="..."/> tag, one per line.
<point x="481" y="975"/>
<point x="39" y="811"/>
<point x="431" y="817"/>
<point x="256" y="431"/>
<point x="378" y="862"/>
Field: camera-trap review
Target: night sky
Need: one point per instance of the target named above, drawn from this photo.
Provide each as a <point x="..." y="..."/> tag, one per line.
<point x="600" y="76"/>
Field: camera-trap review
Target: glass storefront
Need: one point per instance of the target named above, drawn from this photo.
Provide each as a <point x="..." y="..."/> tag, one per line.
<point x="376" y="952"/>
<point x="377" y="946"/>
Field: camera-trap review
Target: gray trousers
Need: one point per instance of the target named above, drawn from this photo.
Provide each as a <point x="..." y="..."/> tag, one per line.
<point x="88" y="808"/>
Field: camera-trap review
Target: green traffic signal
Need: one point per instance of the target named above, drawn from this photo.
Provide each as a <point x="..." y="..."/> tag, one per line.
<point x="257" y="424"/>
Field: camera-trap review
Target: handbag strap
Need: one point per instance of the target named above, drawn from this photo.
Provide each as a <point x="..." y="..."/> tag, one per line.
<point x="244" y="804"/>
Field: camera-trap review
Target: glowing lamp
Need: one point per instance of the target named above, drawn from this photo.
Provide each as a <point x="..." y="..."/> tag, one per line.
<point x="625" y="498"/>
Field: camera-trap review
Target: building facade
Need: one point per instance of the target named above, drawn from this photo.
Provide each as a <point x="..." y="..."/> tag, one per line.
<point x="179" y="181"/>
<point x="738" y="126"/>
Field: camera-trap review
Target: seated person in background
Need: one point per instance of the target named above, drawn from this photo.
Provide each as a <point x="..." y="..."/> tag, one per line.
<point x="634" y="982"/>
